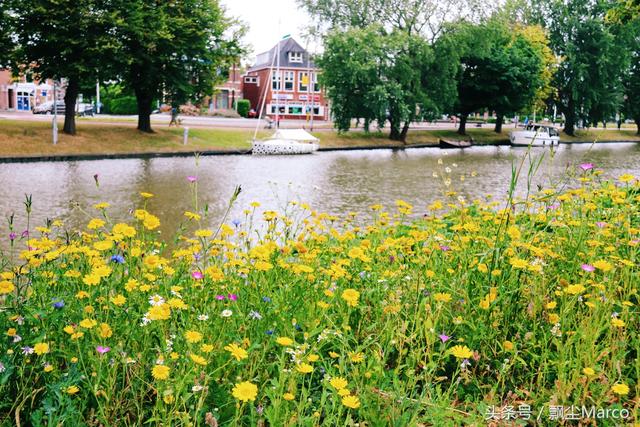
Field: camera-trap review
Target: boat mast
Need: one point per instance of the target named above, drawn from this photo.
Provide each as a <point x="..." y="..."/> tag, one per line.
<point x="278" y="83"/>
<point x="264" y="98"/>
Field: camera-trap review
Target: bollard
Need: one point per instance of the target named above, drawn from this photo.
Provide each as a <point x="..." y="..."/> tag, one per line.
<point x="55" y="129"/>
<point x="185" y="137"/>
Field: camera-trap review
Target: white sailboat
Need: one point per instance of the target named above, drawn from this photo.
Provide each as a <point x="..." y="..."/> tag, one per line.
<point x="535" y="134"/>
<point x="283" y="141"/>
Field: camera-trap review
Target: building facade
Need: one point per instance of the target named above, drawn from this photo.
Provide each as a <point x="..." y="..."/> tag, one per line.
<point x="227" y="94"/>
<point x="18" y="94"/>
<point x="284" y="79"/>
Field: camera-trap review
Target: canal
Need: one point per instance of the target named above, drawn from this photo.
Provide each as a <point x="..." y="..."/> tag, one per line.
<point x="334" y="182"/>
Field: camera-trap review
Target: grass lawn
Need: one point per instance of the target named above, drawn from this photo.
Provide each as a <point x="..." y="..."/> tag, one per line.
<point x="30" y="138"/>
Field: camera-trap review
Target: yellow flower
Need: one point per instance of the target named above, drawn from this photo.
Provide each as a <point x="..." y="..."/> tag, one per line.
<point x="160" y="372"/>
<point x="206" y="348"/>
<point x="518" y="263"/>
<point x="124" y="229"/>
<point x="6" y="287"/>
<point x="575" y="289"/>
<point x="553" y="318"/>
<point x="12" y="332"/>
<point x="146" y="195"/>
<point x="236" y="351"/>
<point x="620" y="389"/>
<point x="287" y="342"/>
<point x="192" y="215"/>
<point x="245" y="391"/>
<point x="588" y="372"/>
<point x="338" y="383"/>
<point x="551" y="305"/>
<point x="198" y="359"/>
<point x="482" y="267"/>
<point x="159" y="312"/>
<point x="333" y="355"/>
<point x="72" y="389"/>
<point x="618" y="323"/>
<point x="508" y="345"/>
<point x="48" y="368"/>
<point x="95" y="223"/>
<point x="351" y="402"/>
<point x="105" y="330"/>
<point x="204" y="233"/>
<point x="151" y="222"/>
<point x="41" y="348"/>
<point x="356" y="357"/>
<point x="603" y="265"/>
<point x="461" y="352"/>
<point x="351" y="296"/>
<point x="119" y="300"/>
<point x="193" y="337"/>
<point x="442" y="297"/>
<point x="288" y="396"/>
<point x="88" y="323"/>
<point x="626" y="178"/>
<point x="304" y="368"/>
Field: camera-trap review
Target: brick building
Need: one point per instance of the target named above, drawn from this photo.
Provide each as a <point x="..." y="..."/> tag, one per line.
<point x="229" y="92"/>
<point x="18" y="94"/>
<point x="294" y="90"/>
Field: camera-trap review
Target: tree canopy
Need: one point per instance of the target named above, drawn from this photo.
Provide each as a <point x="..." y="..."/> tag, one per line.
<point x="374" y="75"/>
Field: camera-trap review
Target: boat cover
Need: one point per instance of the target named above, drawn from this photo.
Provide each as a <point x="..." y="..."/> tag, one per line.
<point x="294" y="135"/>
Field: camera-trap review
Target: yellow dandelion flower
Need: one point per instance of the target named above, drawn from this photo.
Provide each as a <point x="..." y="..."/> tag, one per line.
<point x="285" y="341"/>
<point x="304" y="368"/>
<point x="119" y="300"/>
<point x="288" y="396"/>
<point x="160" y="372"/>
<point x="618" y="323"/>
<point x="620" y="389"/>
<point x="461" y="352"/>
<point x="351" y="402"/>
<point x="236" y="351"/>
<point x="193" y="336"/>
<point x="41" y="348"/>
<point x="338" y="383"/>
<point x="6" y="287"/>
<point x="245" y="391"/>
<point x="442" y="297"/>
<point x="72" y="389"/>
<point x="198" y="359"/>
<point x="351" y="296"/>
<point x="588" y="372"/>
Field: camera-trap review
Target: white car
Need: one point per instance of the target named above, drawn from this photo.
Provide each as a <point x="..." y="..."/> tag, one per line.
<point x="47" y="108"/>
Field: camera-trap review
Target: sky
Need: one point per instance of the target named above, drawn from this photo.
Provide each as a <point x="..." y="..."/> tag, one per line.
<point x="262" y="17"/>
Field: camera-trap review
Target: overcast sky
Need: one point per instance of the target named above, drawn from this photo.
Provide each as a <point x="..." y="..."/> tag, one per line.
<point x="262" y="17"/>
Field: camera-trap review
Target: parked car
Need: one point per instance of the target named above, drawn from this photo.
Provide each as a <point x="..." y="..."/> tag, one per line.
<point x="47" y="108"/>
<point x="83" y="109"/>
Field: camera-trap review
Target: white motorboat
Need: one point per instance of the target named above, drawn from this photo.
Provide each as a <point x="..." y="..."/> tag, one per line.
<point x="286" y="141"/>
<point x="536" y="135"/>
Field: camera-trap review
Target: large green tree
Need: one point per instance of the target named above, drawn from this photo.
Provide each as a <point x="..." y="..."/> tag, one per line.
<point x="173" y="50"/>
<point x="631" y="79"/>
<point x="591" y="56"/>
<point x="374" y="75"/>
<point x="5" y="34"/>
<point x="65" y="40"/>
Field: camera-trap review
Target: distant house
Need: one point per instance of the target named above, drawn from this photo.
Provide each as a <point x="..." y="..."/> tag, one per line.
<point x="293" y="91"/>
<point x="229" y="92"/>
<point x="18" y="94"/>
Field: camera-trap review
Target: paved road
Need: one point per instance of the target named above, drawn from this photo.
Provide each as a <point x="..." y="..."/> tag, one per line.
<point x="213" y="122"/>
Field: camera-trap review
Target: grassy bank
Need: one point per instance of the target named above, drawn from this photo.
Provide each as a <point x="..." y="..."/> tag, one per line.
<point x="29" y="138"/>
<point x="315" y="320"/>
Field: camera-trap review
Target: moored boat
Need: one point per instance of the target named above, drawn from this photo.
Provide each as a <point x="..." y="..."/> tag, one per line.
<point x="536" y="135"/>
<point x="286" y="141"/>
<point x="447" y="143"/>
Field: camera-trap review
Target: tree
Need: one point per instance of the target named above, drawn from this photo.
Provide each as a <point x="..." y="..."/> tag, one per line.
<point x="591" y="55"/>
<point x="173" y="49"/>
<point x="425" y="17"/>
<point x="371" y="74"/>
<point x="6" y="44"/>
<point x="632" y="79"/>
<point x="63" y="39"/>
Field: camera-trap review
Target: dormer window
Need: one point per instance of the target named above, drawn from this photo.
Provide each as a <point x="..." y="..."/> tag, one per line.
<point x="295" y="57"/>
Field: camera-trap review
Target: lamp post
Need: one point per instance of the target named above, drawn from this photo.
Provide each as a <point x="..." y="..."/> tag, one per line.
<point x="55" y="114"/>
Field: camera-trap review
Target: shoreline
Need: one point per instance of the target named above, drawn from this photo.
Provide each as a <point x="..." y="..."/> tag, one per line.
<point x="244" y="152"/>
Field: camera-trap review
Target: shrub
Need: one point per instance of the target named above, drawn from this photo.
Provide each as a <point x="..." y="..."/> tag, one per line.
<point x="123" y="105"/>
<point x="243" y="107"/>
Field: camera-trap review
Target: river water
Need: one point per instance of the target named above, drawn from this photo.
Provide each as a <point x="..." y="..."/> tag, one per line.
<point x="334" y="182"/>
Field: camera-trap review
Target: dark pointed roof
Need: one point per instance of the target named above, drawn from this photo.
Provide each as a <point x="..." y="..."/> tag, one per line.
<point x="287" y="45"/>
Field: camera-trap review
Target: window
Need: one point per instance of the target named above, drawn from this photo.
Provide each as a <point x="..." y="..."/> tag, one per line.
<point x="276" y="81"/>
<point x="303" y="81"/>
<point x="295" y="57"/>
<point x="315" y="85"/>
<point x="251" y="79"/>
<point x="295" y="109"/>
<point x="288" y="80"/>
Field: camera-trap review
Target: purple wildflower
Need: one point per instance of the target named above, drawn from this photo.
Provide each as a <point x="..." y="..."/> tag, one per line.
<point x="586" y="166"/>
<point x="197" y="275"/>
<point x="233" y="297"/>
<point x="444" y="338"/>
<point x="102" y="350"/>
<point x="12" y="236"/>
<point x="58" y="304"/>
<point x="220" y="297"/>
<point x="117" y="258"/>
<point x="192" y="178"/>
<point x="588" y="267"/>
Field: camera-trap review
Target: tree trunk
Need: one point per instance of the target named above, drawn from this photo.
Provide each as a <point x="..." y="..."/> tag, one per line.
<point x="462" y="129"/>
<point x="404" y="132"/>
<point x="637" y="125"/>
<point x="144" y="101"/>
<point x="70" y="96"/>
<point x="499" y="120"/>
<point x="570" y="118"/>
<point x="394" y="124"/>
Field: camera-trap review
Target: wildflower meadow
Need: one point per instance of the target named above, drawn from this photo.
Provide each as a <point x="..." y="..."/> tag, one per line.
<point x="431" y="315"/>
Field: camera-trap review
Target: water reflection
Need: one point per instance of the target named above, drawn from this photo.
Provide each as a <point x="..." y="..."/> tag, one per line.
<point x="335" y="182"/>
